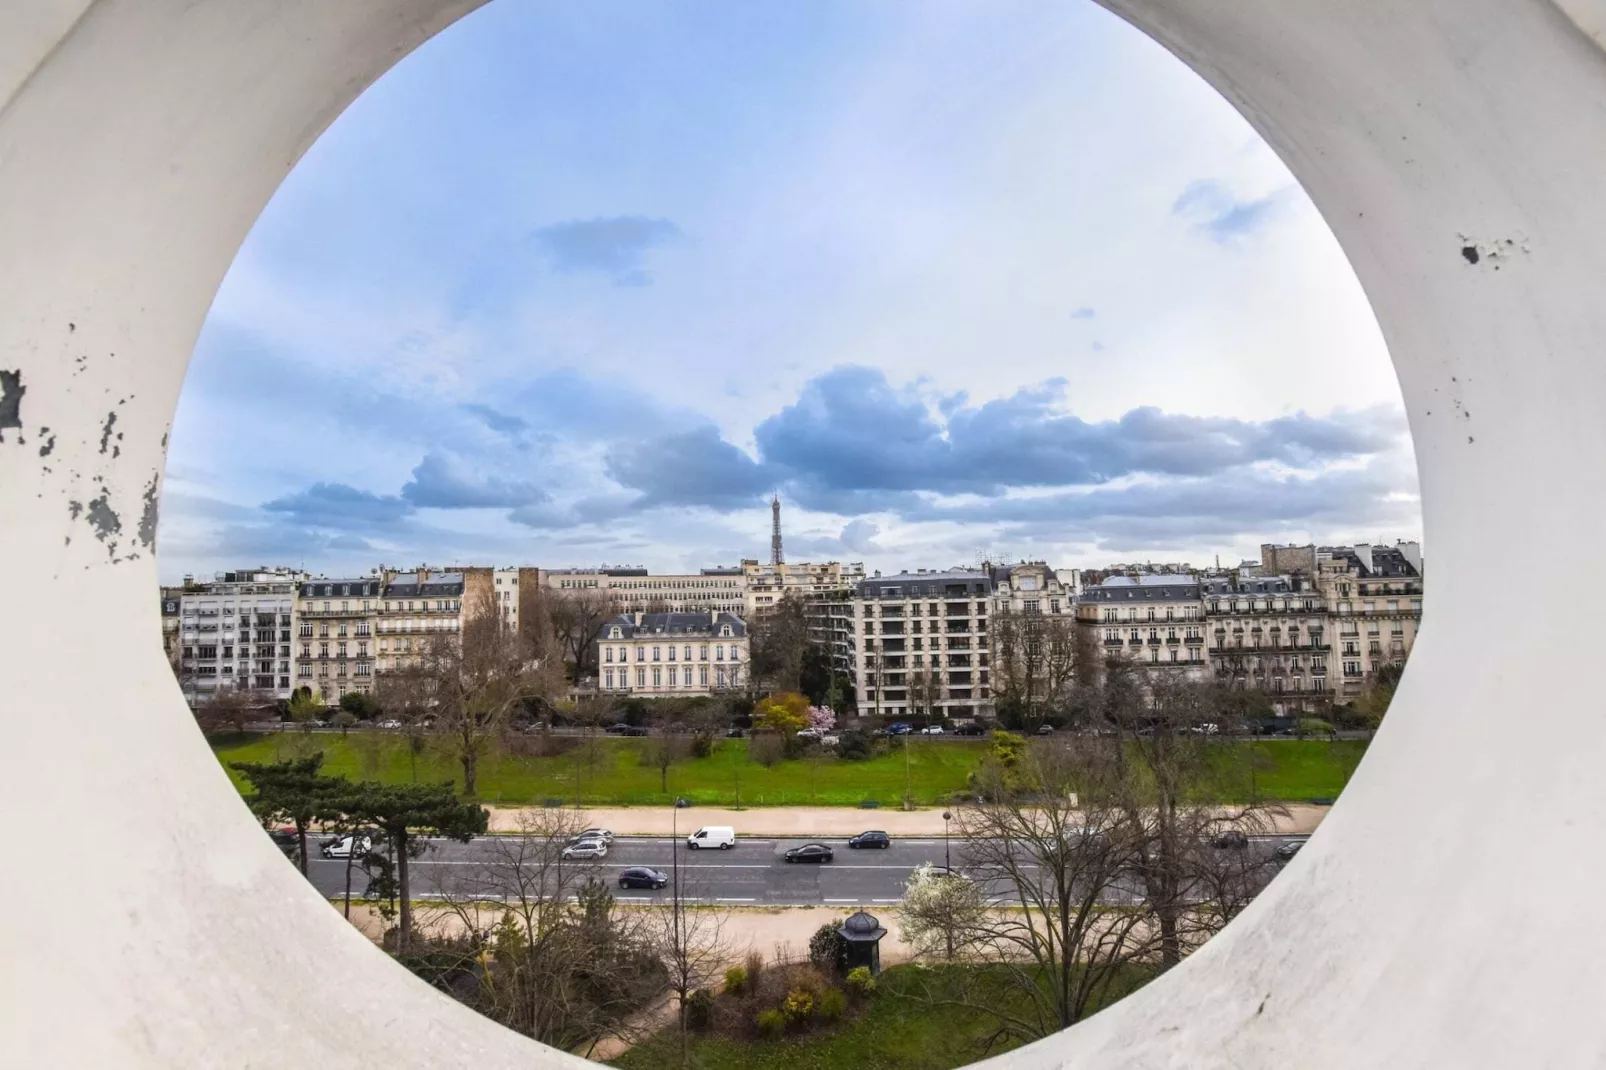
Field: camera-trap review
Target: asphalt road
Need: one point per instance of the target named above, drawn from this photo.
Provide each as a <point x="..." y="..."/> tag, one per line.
<point x="751" y="873"/>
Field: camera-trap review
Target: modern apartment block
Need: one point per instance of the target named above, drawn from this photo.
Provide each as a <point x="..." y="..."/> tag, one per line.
<point x="769" y="582"/>
<point x="672" y="654"/>
<point x="1155" y="620"/>
<point x="337" y="622"/>
<point x="920" y="644"/>
<point x="1270" y="633"/>
<point x="235" y="632"/>
<point x="635" y="590"/>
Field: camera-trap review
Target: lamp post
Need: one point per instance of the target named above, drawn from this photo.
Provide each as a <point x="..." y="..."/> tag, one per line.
<point x="947" y="862"/>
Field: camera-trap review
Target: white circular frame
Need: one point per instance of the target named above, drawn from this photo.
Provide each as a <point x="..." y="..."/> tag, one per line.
<point x="1445" y="916"/>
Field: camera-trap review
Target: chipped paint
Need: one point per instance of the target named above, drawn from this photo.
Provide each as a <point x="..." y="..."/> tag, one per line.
<point x="106" y="430"/>
<point x="11" y="391"/>
<point x="104" y="519"/>
<point x="147" y="516"/>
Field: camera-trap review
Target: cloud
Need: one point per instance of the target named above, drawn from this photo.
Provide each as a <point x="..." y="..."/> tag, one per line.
<point x="443" y="481"/>
<point x="613" y="247"/>
<point x="499" y="422"/>
<point x="336" y="505"/>
<point x="691" y="468"/>
<point x="852" y="431"/>
<point x="1083" y="313"/>
<point x="859" y="536"/>
<point x="1217" y="212"/>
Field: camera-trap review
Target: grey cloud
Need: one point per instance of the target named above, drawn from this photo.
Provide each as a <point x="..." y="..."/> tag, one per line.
<point x="695" y="467"/>
<point x="336" y="505"/>
<point x="499" y="422"/>
<point x="614" y="247"/>
<point x="859" y="536"/>
<point x="442" y="481"/>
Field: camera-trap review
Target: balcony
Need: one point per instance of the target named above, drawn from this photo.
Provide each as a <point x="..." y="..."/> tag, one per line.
<point x="1112" y="642"/>
<point x="1154" y="640"/>
<point x="1172" y="640"/>
<point x="1194" y="640"/>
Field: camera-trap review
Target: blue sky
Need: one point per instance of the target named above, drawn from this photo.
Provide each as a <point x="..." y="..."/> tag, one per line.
<point x="578" y="284"/>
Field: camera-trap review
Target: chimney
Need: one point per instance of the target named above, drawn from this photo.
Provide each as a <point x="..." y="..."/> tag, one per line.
<point x="638" y="618"/>
<point x="713" y="616"/>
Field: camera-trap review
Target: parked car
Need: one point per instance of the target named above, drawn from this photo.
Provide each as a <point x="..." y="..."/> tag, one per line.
<point x="810" y="852"/>
<point x="871" y="839"/>
<point x="605" y="835"/>
<point x="643" y="877"/>
<point x="973" y="728"/>
<point x="721" y="836"/>
<point x="620" y="729"/>
<point x="286" y="840"/>
<point x="535" y="726"/>
<point x="392" y="723"/>
<point x="734" y="733"/>
<point x="1045" y="729"/>
<point x="931" y="730"/>
<point x="581" y="849"/>
<point x="346" y="846"/>
<point x="808" y="733"/>
<point x="1230" y="839"/>
<point x="899" y="728"/>
<point x="1289" y="850"/>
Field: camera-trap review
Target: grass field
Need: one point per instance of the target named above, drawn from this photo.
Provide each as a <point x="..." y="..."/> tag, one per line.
<point x="897" y="1031"/>
<point x="618" y="772"/>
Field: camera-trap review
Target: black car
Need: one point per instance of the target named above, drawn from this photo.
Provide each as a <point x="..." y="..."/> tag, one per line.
<point x="643" y="877"/>
<point x="810" y="852"/>
<point x="871" y="839"/>
<point x="971" y="729"/>
<point x="1230" y="839"/>
<point x="1289" y="850"/>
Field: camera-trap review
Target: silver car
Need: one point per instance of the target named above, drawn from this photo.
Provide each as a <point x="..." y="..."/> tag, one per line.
<point x="581" y="849"/>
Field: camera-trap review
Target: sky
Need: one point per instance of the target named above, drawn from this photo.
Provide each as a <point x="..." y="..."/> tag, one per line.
<point x="585" y="284"/>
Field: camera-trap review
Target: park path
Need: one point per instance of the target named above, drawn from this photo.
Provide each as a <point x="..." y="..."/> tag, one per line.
<point x="801" y="822"/>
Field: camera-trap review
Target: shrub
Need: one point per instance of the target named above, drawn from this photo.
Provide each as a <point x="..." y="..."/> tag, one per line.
<point x="700" y="1009"/>
<point x="735" y="980"/>
<point x="766" y="748"/>
<point x="828" y="950"/>
<point x="771" y="1024"/>
<point x="754" y="965"/>
<point x="854" y="746"/>
<point x="832" y="1004"/>
<point x="702" y="747"/>
<point x="799" y="1004"/>
<point x="860" y="982"/>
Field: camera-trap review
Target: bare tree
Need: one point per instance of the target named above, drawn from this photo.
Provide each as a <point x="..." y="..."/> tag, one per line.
<point x="230" y="707"/>
<point x="576" y="617"/>
<point x="924" y="688"/>
<point x="689" y="939"/>
<point x="1056" y="835"/>
<point x="669" y="744"/>
<point x="778" y="638"/>
<point x="473" y="682"/>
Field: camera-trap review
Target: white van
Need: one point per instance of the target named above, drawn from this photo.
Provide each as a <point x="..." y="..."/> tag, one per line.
<point x="721" y="836"/>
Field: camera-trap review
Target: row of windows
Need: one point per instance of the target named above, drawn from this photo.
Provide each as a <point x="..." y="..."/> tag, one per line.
<point x="363" y="668"/>
<point x="340" y="650"/>
<point x="612" y="681"/>
<point x="210" y="652"/>
<point x="623" y="653"/>
<point x="340" y="630"/>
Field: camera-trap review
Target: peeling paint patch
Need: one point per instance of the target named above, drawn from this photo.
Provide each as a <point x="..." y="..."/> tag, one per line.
<point x="11" y="391"/>
<point x="106" y="430"/>
<point x="1490" y="253"/>
<point x="74" y="510"/>
<point x="1470" y="252"/>
<point x="49" y="444"/>
<point x="147" y="516"/>
<point x="104" y="519"/>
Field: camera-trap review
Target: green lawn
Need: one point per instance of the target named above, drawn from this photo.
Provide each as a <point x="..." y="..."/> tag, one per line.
<point x="897" y="1031"/>
<point x="620" y="775"/>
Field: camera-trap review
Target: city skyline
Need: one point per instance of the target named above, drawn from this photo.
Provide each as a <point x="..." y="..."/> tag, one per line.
<point x="953" y="282"/>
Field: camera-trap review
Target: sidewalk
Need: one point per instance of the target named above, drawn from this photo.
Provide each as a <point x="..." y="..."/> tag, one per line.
<point x="805" y="821"/>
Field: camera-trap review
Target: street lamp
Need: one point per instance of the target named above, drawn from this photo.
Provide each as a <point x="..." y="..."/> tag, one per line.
<point x="947" y="862"/>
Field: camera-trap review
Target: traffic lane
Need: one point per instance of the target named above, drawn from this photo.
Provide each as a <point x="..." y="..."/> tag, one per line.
<point x="753" y="871"/>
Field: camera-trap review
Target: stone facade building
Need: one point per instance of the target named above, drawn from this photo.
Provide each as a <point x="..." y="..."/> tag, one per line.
<point x="768" y="583"/>
<point x="635" y="590"/>
<point x="335" y="633"/>
<point x="1270" y="634"/>
<point x="672" y="654"/>
<point x="1156" y="620"/>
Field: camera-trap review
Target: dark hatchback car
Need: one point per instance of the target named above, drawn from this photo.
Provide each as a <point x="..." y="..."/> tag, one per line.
<point x="643" y="877"/>
<point x="1289" y="850"/>
<point x="871" y="839"/>
<point x="810" y="852"/>
<point x="1234" y="839"/>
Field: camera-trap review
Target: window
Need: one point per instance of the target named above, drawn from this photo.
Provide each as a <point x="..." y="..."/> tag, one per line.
<point x="306" y="631"/>
<point x="719" y="653"/>
<point x="1032" y="605"/>
<point x="614" y="633"/>
<point x="702" y="674"/>
<point x="641" y="653"/>
<point x="607" y="655"/>
<point x="658" y="676"/>
<point x="656" y="653"/>
<point x="607" y="677"/>
<point x="641" y="677"/>
<point x="304" y="671"/>
<point x="671" y="653"/>
<point x="686" y="656"/>
<point x="702" y="654"/>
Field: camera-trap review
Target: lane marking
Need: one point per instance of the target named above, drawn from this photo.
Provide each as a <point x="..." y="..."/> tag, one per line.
<point x="727" y="899"/>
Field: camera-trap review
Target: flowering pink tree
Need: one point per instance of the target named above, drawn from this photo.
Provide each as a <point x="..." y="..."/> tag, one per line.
<point x="822" y="718"/>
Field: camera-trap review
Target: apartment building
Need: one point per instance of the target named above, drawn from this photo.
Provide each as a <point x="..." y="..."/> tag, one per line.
<point x="829" y="618"/>
<point x="1154" y="619"/>
<point x="920" y="644"/>
<point x="235" y="632"/>
<point x="1034" y="587"/>
<point x="336" y="626"/>
<point x="672" y="654"/>
<point x="1373" y="594"/>
<point x="768" y="583"/>
<point x="635" y="590"/>
<point x="1269" y="633"/>
<point x="417" y="607"/>
<point x="172" y="621"/>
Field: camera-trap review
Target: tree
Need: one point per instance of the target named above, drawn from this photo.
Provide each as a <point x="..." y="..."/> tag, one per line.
<point x="363" y="707"/>
<point x="690" y="942"/>
<point x="1034" y="664"/>
<point x="1374" y="702"/>
<point x="575" y="618"/>
<point x="473" y="683"/>
<point x="293" y="791"/>
<point x="940" y="913"/>
<point x="785" y="713"/>
<point x="821" y="718"/>
<point x="668" y="746"/>
<point x="404" y="813"/>
<point x="564" y="974"/>
<point x="227" y="708"/>
<point x="303" y="706"/>
<point x="778" y="638"/>
<point x="925" y="690"/>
